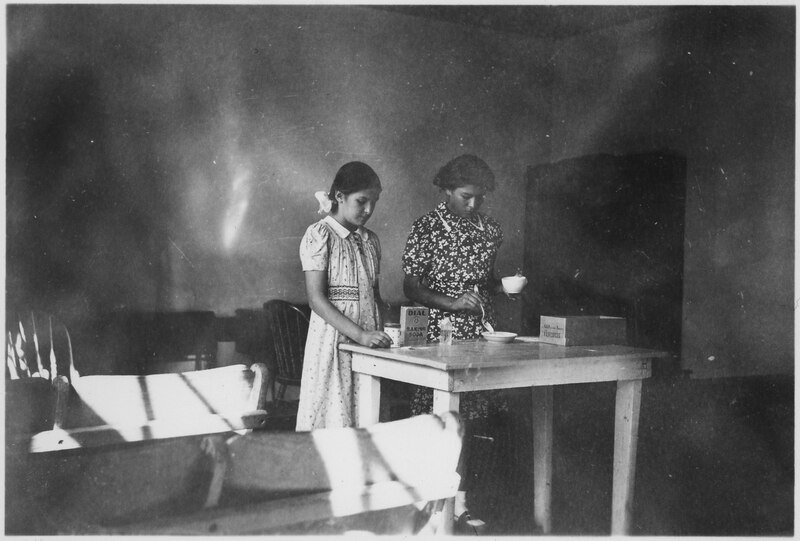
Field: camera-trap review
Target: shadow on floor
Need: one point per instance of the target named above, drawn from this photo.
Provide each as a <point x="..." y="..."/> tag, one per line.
<point x="715" y="458"/>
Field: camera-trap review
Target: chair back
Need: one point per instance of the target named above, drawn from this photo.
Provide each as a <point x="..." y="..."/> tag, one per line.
<point x="39" y="363"/>
<point x="287" y="329"/>
<point x="38" y="345"/>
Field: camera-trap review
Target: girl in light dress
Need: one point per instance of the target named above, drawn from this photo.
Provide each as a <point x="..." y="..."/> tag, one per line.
<point x="341" y="263"/>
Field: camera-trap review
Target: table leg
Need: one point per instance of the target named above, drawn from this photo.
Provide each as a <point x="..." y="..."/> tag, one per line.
<point x="368" y="400"/>
<point x="443" y="402"/>
<point x="626" y="433"/>
<point x="542" y="456"/>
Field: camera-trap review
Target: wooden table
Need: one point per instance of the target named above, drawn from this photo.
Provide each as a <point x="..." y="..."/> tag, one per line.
<point x="475" y="365"/>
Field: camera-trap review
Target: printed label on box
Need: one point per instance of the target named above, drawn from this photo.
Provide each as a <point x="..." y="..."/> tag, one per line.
<point x="413" y="325"/>
<point x="582" y="330"/>
<point x="552" y="330"/>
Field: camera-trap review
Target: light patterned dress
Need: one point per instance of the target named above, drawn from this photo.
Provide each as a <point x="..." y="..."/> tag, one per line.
<point x="352" y="260"/>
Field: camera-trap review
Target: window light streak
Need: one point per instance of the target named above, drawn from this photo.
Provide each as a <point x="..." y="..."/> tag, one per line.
<point x="237" y="208"/>
<point x="341" y="473"/>
<point x="348" y="478"/>
<point x="159" y="401"/>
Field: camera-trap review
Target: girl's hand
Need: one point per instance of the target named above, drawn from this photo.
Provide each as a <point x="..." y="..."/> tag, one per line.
<point x="374" y="339"/>
<point x="468" y="302"/>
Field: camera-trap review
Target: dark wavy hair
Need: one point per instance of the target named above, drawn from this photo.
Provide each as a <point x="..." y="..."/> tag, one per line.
<point x="463" y="170"/>
<point x="353" y="177"/>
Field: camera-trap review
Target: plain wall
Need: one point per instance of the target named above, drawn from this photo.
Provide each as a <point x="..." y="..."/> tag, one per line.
<point x="166" y="157"/>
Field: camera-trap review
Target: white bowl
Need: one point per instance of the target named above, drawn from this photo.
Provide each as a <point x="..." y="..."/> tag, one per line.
<point x="498" y="336"/>
<point x="514" y="284"/>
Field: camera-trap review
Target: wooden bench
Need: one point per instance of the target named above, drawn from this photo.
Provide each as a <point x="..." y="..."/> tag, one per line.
<point x="127" y="400"/>
<point x="388" y="478"/>
<point x="104" y="410"/>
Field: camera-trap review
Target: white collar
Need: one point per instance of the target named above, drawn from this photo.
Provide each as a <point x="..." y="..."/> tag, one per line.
<point x="448" y="227"/>
<point x="341" y="230"/>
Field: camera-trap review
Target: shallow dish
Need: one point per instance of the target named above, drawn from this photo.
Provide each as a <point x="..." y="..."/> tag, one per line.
<point x="499" y="336"/>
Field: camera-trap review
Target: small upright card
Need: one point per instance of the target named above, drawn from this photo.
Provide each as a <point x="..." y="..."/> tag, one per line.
<point x="414" y="325"/>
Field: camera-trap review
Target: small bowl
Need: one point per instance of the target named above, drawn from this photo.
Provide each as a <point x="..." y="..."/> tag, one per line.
<point x="499" y="337"/>
<point x="514" y="284"/>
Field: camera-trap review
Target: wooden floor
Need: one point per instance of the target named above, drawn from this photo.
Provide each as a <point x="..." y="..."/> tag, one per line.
<point x="716" y="458"/>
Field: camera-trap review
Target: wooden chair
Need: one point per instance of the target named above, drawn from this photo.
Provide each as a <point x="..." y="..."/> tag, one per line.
<point x="38" y="355"/>
<point x="287" y="329"/>
<point x="37" y="345"/>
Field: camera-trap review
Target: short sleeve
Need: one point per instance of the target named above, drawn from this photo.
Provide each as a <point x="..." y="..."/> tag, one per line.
<point x="417" y="254"/>
<point x="314" y="251"/>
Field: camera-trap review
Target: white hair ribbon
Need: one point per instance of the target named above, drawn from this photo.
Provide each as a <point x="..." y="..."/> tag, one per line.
<point x="325" y="202"/>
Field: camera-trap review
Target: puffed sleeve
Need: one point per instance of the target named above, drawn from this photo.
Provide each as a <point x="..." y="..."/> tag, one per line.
<point x="418" y="253"/>
<point x="314" y="250"/>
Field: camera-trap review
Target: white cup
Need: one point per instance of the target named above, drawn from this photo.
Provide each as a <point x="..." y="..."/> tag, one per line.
<point x="393" y="330"/>
<point x="514" y="284"/>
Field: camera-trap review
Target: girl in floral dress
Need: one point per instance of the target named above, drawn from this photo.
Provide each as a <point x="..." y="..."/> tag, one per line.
<point x="341" y="263"/>
<point x="449" y="267"/>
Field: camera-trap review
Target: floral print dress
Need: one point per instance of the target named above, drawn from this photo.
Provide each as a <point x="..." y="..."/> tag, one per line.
<point x="452" y="255"/>
<point x="352" y="261"/>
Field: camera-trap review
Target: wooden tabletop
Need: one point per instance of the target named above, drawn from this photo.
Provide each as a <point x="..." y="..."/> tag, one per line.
<point x="472" y="365"/>
<point x="480" y="353"/>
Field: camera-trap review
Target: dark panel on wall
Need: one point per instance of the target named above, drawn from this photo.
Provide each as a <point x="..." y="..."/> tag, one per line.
<point x="604" y="236"/>
<point x="717" y="85"/>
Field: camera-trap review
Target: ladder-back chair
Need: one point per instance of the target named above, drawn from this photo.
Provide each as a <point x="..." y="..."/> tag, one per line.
<point x="38" y="361"/>
<point x="287" y="329"/>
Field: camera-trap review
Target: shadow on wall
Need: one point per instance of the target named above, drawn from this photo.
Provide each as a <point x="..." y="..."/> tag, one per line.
<point x="79" y="237"/>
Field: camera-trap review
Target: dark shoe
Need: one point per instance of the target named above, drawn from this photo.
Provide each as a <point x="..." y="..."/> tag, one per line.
<point x="466" y="525"/>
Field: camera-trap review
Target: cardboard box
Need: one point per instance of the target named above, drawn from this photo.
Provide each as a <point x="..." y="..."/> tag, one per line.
<point x="582" y="330"/>
<point x="414" y="325"/>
